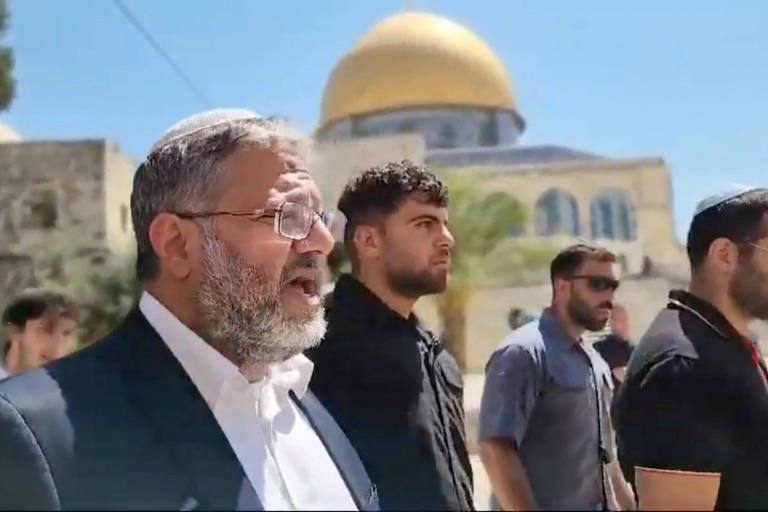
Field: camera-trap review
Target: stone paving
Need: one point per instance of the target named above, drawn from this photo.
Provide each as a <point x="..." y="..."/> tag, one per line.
<point x="473" y="392"/>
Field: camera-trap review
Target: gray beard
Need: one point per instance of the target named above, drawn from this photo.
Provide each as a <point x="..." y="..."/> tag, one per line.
<point x="243" y="312"/>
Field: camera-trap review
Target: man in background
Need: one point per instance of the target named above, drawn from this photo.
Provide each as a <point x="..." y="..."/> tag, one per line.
<point x="615" y="348"/>
<point x="518" y="317"/>
<point x="40" y="326"/>
<point x="545" y="430"/>
<point x="390" y="383"/>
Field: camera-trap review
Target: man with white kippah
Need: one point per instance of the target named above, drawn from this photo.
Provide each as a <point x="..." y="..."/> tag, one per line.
<point x="200" y="399"/>
<point x="691" y="416"/>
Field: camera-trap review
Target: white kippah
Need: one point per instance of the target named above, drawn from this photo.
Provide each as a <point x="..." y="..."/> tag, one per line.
<point x="201" y="121"/>
<point x="731" y="192"/>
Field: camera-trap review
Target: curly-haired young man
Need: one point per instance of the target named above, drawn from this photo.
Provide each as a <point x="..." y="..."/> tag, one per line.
<point x="389" y="383"/>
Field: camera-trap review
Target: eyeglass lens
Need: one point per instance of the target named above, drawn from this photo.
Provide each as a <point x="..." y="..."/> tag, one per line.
<point x="296" y="220"/>
<point x="601" y="283"/>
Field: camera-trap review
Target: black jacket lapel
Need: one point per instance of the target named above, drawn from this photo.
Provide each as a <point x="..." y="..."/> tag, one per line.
<point x="341" y="451"/>
<point x="161" y="388"/>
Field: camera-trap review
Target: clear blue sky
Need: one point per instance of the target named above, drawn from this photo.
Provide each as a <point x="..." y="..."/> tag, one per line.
<point x="686" y="80"/>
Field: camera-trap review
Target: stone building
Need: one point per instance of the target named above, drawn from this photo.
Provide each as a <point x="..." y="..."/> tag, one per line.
<point x="422" y="87"/>
<point x="59" y="201"/>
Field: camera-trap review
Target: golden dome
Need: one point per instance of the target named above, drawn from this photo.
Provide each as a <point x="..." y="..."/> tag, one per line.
<point x="415" y="59"/>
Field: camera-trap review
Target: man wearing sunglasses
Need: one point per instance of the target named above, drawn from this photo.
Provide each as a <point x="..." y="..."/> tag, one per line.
<point x="691" y="416"/>
<point x="199" y="400"/>
<point x="545" y="431"/>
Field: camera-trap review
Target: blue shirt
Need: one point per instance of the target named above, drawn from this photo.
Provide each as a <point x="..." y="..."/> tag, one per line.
<point x="551" y="397"/>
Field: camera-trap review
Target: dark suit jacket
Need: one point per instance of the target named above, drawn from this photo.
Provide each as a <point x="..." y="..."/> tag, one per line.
<point x="119" y="425"/>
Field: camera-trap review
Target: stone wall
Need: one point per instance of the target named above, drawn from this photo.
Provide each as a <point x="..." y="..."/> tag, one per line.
<point x="487" y="314"/>
<point x="16" y="274"/>
<point x="336" y="162"/>
<point x="51" y="188"/>
<point x="62" y="200"/>
<point x="645" y="182"/>
<point x="118" y="183"/>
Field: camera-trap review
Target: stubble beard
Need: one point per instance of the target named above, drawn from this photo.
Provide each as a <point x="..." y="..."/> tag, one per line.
<point x="582" y="314"/>
<point x="416" y="283"/>
<point x="749" y="291"/>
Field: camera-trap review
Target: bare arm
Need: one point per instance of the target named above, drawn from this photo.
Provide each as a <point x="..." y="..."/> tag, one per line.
<point x="507" y="474"/>
<point x="624" y="494"/>
<point x="660" y="489"/>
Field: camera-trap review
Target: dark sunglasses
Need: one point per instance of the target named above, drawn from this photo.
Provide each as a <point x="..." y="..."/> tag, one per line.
<point x="599" y="283"/>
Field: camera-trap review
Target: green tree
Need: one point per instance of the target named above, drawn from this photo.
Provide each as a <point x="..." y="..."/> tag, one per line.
<point x="7" y="83"/>
<point x="480" y="221"/>
<point x="103" y="285"/>
<point x="105" y="295"/>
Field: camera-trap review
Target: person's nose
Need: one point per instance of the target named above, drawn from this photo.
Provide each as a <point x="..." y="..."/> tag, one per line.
<point x="319" y="240"/>
<point x="446" y="238"/>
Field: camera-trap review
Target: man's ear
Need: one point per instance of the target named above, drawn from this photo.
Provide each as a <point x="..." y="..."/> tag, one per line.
<point x="723" y="254"/>
<point x="367" y="240"/>
<point x="172" y="239"/>
<point x="13" y="332"/>
<point x="561" y="286"/>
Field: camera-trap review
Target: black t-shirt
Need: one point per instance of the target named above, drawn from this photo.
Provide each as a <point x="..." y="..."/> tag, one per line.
<point x="693" y="400"/>
<point x="397" y="394"/>
<point x="616" y="351"/>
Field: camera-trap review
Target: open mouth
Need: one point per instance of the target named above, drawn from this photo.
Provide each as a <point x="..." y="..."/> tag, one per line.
<point x="305" y="285"/>
<point x="305" y="281"/>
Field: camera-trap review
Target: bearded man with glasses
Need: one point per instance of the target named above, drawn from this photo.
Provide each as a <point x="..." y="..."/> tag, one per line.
<point x="200" y="399"/>
<point x="691" y="416"/>
<point x="545" y="430"/>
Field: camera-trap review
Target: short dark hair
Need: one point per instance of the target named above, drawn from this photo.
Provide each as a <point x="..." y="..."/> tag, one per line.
<point x="738" y="219"/>
<point x="568" y="261"/>
<point x="381" y="190"/>
<point x="35" y="303"/>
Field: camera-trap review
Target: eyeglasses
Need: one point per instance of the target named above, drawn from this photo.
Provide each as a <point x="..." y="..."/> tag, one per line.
<point x="292" y="220"/>
<point x="599" y="283"/>
<point x="757" y="246"/>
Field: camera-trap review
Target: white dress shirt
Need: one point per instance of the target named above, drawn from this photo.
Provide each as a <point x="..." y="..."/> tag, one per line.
<point x="3" y="372"/>
<point x="282" y="456"/>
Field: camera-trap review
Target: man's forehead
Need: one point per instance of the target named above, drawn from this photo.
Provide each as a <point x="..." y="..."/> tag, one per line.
<point x="254" y="175"/>
<point x="593" y="265"/>
<point x="295" y="187"/>
<point x="52" y="319"/>
<point x="418" y="203"/>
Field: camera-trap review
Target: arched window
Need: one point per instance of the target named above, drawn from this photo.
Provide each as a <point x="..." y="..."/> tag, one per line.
<point x="612" y="216"/>
<point x="447" y="136"/>
<point x="557" y="213"/>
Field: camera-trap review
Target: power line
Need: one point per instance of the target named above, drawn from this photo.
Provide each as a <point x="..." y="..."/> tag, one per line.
<point x="180" y="72"/>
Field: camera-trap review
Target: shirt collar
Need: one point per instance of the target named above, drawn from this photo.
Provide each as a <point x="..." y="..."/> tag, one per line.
<point x="360" y="302"/>
<point x="208" y="369"/>
<point x="708" y="313"/>
<point x="557" y="337"/>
